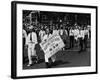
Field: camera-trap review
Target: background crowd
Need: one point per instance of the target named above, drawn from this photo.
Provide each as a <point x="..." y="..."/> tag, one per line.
<point x="72" y="33"/>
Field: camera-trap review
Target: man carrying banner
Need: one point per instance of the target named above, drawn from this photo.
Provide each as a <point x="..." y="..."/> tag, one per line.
<point x="46" y="36"/>
<point x="51" y="44"/>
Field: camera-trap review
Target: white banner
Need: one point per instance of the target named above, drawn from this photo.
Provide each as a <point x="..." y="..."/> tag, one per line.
<point x="52" y="45"/>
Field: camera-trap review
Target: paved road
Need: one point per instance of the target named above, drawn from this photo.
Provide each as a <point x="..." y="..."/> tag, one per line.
<point x="66" y="58"/>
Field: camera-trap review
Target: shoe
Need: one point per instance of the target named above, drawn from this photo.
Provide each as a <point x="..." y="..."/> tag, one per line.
<point x="48" y="65"/>
<point x="29" y="65"/>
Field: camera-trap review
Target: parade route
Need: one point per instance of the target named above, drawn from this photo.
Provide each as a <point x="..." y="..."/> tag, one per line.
<point x="66" y="58"/>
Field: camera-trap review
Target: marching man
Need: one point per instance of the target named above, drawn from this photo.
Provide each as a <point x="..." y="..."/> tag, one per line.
<point x="55" y="31"/>
<point x="46" y="36"/>
<point x="76" y="33"/>
<point x="53" y="58"/>
<point x="41" y="33"/>
<point x="31" y="41"/>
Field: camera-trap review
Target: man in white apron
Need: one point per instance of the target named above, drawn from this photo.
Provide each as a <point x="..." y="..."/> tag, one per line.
<point x="41" y="34"/>
<point x="31" y="41"/>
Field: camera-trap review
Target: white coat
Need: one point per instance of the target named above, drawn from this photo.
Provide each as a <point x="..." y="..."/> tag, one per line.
<point x="81" y="34"/>
<point x="41" y="34"/>
<point x="71" y="32"/>
<point x="76" y="33"/>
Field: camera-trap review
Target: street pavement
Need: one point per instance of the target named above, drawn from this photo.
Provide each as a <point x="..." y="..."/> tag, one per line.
<point x="64" y="58"/>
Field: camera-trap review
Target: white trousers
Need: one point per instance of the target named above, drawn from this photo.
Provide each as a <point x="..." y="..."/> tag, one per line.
<point x="52" y="57"/>
<point x="31" y="52"/>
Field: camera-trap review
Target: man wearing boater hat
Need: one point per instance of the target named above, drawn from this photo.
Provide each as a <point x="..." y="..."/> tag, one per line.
<point x="31" y="41"/>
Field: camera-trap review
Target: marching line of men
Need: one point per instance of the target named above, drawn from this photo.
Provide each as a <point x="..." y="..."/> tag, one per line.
<point x="81" y="34"/>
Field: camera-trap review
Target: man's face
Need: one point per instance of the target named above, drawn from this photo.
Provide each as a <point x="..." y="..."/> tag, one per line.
<point x="47" y="30"/>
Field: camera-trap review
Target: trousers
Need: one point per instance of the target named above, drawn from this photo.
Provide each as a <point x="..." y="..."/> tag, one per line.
<point x="53" y="58"/>
<point x="31" y="51"/>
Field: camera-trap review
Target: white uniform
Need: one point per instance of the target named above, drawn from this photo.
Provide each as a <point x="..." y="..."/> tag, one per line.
<point x="76" y="33"/>
<point x="71" y="32"/>
<point x="31" y="41"/>
<point x="86" y="32"/>
<point x="61" y="32"/>
<point x="41" y="34"/>
<point x="24" y="34"/>
<point x="81" y="34"/>
<point x="55" y="31"/>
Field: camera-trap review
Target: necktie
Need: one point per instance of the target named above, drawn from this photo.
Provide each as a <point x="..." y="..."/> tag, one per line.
<point x="31" y="36"/>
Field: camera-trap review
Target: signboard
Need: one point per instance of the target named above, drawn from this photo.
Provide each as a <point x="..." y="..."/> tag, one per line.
<point x="52" y="45"/>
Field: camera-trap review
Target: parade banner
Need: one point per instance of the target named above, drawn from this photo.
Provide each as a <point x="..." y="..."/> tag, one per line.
<point x="52" y="45"/>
